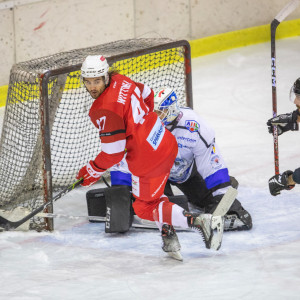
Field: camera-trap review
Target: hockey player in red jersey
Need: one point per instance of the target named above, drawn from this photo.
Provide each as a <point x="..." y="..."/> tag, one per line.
<point x="126" y="122"/>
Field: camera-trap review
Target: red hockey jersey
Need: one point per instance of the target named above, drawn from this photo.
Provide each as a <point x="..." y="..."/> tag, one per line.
<point x="126" y="122"/>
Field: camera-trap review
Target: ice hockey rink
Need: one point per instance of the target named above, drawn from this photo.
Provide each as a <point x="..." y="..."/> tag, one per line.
<point x="232" y="91"/>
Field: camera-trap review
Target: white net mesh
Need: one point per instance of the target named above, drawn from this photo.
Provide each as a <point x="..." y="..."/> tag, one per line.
<point x="61" y="100"/>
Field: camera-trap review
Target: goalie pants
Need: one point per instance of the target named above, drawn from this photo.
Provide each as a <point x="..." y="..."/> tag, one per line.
<point x="199" y="195"/>
<point x="194" y="188"/>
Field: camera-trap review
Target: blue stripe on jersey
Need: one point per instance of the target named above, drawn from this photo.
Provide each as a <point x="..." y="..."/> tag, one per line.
<point x="217" y="178"/>
<point x="120" y="178"/>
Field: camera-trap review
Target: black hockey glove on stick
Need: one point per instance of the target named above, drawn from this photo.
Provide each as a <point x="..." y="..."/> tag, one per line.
<point x="284" y="122"/>
<point x="279" y="182"/>
<point x="7" y="225"/>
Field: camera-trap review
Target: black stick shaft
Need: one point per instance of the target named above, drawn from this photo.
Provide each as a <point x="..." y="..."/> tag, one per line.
<point x="274" y="25"/>
<point x="285" y="11"/>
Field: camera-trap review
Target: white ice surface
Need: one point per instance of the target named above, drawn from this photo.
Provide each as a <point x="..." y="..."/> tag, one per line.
<point x="232" y="91"/>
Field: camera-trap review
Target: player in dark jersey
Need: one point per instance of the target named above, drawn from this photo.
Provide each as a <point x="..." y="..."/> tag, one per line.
<point x="285" y="122"/>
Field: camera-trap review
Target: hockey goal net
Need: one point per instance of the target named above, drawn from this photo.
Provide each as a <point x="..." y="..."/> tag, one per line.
<point x="47" y="135"/>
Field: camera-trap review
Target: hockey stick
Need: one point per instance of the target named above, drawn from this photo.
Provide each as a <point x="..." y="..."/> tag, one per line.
<point x="136" y="223"/>
<point x="105" y="181"/>
<point x="289" y="8"/>
<point x="226" y="202"/>
<point x="222" y="208"/>
<point x="7" y="225"/>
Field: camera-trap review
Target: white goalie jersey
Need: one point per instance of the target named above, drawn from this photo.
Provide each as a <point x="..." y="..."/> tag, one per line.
<point x="196" y="144"/>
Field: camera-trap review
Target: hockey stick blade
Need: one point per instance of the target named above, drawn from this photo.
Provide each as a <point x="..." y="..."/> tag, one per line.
<point x="225" y="202"/>
<point x="175" y="255"/>
<point x="8" y="225"/>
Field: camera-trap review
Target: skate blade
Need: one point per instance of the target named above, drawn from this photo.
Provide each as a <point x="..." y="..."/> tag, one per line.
<point x="217" y="225"/>
<point x="176" y="255"/>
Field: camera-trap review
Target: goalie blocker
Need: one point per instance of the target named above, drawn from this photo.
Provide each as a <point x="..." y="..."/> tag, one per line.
<point x="115" y="203"/>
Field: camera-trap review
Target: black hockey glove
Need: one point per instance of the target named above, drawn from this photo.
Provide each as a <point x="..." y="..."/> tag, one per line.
<point x="284" y="122"/>
<point x="279" y="182"/>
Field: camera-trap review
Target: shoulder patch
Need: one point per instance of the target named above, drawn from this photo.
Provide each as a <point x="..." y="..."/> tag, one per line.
<point x="192" y="125"/>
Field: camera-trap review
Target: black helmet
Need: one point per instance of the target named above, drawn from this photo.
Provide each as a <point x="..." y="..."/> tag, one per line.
<point x="295" y="90"/>
<point x="296" y="86"/>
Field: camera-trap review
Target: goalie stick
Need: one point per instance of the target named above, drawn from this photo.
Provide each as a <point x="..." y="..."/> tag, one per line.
<point x="222" y="208"/>
<point x="289" y="8"/>
<point x="137" y="221"/>
<point x="8" y="225"/>
<point x="226" y="202"/>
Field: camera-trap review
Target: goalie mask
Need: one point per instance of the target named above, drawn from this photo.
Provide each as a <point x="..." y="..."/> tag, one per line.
<point x="295" y="91"/>
<point x="95" y="66"/>
<point x="165" y="105"/>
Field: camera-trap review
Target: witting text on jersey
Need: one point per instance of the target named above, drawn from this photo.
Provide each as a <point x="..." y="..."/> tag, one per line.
<point x="123" y="91"/>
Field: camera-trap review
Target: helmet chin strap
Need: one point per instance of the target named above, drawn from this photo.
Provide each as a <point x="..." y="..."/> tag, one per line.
<point x="106" y="79"/>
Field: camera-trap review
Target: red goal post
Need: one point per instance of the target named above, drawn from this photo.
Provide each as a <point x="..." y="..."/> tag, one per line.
<point x="47" y="135"/>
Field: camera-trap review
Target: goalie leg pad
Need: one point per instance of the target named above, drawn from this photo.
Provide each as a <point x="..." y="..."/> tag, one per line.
<point x="242" y="214"/>
<point x="236" y="209"/>
<point x="119" y="213"/>
<point x="114" y="203"/>
<point x="96" y="204"/>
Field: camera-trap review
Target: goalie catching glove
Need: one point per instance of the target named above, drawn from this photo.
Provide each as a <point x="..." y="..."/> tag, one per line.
<point x="90" y="174"/>
<point x="284" y="122"/>
<point x="279" y="182"/>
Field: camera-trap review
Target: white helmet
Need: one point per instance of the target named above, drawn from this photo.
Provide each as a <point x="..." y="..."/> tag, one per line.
<point x="165" y="102"/>
<point x="95" y="66"/>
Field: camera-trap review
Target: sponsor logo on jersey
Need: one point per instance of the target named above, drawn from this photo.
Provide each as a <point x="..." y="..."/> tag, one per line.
<point x="180" y="170"/>
<point x="215" y="162"/>
<point x="186" y="139"/>
<point x="136" y="185"/>
<point x="123" y="91"/>
<point x="213" y="149"/>
<point x="192" y="125"/>
<point x="183" y="146"/>
<point x="163" y="182"/>
<point x="101" y="123"/>
<point x="156" y="134"/>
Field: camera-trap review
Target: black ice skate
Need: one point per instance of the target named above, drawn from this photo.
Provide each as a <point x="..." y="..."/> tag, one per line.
<point x="210" y="227"/>
<point x="170" y="244"/>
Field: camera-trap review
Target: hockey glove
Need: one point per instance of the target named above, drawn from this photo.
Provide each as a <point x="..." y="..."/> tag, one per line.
<point x="90" y="174"/>
<point x="279" y="182"/>
<point x="284" y="122"/>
